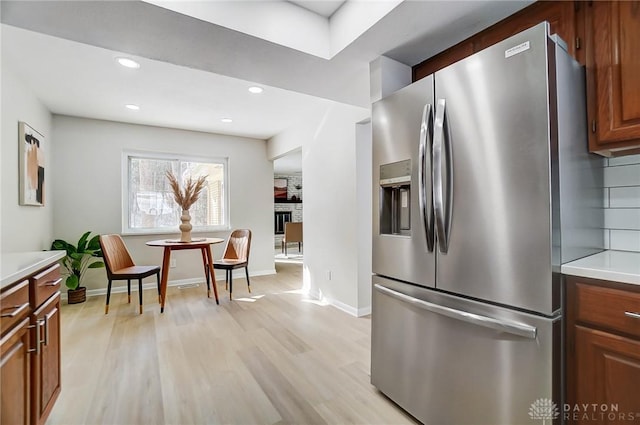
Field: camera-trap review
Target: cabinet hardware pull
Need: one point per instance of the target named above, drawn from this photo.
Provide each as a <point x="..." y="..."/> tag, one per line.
<point x="17" y="310"/>
<point x="47" y="318"/>
<point x="38" y="341"/>
<point x="632" y="315"/>
<point x="52" y="282"/>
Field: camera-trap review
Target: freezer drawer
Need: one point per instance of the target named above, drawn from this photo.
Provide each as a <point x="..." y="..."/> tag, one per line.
<point x="448" y="360"/>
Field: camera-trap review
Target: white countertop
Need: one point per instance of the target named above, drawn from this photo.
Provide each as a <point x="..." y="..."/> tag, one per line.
<point x="617" y="266"/>
<point x="18" y="265"/>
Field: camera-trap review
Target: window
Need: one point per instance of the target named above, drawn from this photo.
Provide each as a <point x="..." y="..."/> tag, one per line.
<point x="148" y="204"/>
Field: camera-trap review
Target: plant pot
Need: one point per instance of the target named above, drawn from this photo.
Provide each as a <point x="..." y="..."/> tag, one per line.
<point x="77" y="296"/>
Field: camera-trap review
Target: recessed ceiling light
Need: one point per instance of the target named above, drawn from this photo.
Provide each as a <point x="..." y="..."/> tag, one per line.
<point x="255" y="89"/>
<point x="132" y="107"/>
<point x="129" y="63"/>
<point x="226" y="120"/>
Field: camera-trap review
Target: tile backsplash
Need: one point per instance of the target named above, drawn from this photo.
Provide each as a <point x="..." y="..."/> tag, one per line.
<point x="622" y="203"/>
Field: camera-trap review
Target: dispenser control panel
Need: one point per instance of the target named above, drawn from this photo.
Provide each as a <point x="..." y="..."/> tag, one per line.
<point x="395" y="173"/>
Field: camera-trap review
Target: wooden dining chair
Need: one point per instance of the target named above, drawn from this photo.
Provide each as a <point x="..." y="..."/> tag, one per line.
<point x="236" y="255"/>
<point x="292" y="234"/>
<point x="120" y="266"/>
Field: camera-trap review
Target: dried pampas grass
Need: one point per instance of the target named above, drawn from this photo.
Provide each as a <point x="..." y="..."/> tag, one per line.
<point x="192" y="189"/>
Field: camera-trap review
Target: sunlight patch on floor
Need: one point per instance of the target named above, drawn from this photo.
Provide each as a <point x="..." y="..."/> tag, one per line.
<point x="322" y="303"/>
<point x="249" y="299"/>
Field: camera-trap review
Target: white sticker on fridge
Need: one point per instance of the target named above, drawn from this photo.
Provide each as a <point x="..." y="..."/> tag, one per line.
<point x="517" y="49"/>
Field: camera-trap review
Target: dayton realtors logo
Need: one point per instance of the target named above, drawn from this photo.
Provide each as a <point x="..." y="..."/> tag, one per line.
<point x="546" y="410"/>
<point x="543" y="409"/>
<point x="598" y="413"/>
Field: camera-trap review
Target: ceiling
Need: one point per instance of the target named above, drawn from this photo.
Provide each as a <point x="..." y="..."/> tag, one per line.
<point x="86" y="81"/>
<point x="324" y="8"/>
<point x="194" y="73"/>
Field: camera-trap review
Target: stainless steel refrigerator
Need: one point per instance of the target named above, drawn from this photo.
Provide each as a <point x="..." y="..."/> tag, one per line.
<point x="483" y="187"/>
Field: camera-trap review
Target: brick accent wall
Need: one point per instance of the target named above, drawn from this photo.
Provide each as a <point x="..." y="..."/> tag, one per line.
<point x="296" y="209"/>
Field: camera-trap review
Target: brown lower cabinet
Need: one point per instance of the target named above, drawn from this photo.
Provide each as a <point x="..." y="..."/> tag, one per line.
<point x="15" y="376"/>
<point x="30" y="348"/>
<point x="45" y="365"/>
<point x="603" y="352"/>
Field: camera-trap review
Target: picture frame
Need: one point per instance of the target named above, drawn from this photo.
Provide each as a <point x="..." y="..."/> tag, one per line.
<point x="280" y="188"/>
<point x="32" y="166"/>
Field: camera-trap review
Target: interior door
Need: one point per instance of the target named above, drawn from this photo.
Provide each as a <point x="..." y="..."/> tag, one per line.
<point x="401" y="144"/>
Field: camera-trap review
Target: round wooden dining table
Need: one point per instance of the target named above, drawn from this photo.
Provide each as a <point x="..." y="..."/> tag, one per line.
<point x="203" y="244"/>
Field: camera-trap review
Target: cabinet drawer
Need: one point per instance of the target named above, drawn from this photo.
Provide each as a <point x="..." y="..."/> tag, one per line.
<point x="45" y="284"/>
<point x="610" y="308"/>
<point x="14" y="305"/>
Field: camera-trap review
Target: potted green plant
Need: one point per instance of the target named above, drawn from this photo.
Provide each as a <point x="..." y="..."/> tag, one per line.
<point x="79" y="258"/>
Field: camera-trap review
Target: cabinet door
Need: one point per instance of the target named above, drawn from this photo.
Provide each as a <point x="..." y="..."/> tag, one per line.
<point x="607" y="374"/>
<point x="15" y="375"/>
<point x="46" y="364"/>
<point x="613" y="46"/>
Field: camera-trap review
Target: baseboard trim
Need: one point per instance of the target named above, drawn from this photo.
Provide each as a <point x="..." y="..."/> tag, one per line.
<point x="178" y="282"/>
<point x="344" y="307"/>
<point x="365" y="311"/>
<point x="356" y="312"/>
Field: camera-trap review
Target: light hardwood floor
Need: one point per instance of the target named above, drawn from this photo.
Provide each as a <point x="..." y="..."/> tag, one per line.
<point x="270" y="357"/>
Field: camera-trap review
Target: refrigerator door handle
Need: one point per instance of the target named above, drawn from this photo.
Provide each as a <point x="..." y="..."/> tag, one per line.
<point x="441" y="221"/>
<point x="426" y="141"/>
<point x="514" y="328"/>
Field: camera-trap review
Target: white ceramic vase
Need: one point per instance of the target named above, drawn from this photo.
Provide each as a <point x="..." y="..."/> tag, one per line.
<point x="185" y="226"/>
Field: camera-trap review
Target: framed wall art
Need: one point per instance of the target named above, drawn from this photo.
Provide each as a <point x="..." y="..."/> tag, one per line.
<point x="31" y="169"/>
<point x="280" y="188"/>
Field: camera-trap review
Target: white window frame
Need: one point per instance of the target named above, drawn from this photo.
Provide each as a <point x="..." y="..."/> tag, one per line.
<point x="126" y="154"/>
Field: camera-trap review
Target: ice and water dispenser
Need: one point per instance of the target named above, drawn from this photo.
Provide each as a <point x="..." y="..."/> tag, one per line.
<point x="395" y="198"/>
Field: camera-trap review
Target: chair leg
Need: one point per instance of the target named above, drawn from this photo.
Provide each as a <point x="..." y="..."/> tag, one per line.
<point x="226" y="280"/>
<point x="285" y="249"/>
<point x="206" y="272"/>
<point x="129" y="290"/>
<point x="140" y="293"/>
<point x="246" y="271"/>
<point x="230" y="284"/>
<point x="106" y="307"/>
<point x="299" y="246"/>
<point x="159" y="292"/>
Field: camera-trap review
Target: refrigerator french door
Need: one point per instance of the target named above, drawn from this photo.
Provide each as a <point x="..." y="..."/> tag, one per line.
<point x="403" y="240"/>
<point x="470" y="168"/>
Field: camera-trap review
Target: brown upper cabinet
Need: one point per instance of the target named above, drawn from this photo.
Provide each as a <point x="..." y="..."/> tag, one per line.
<point x="604" y="36"/>
<point x="613" y="76"/>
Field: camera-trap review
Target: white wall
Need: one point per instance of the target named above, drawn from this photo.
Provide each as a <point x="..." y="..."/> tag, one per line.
<point x="364" y="196"/>
<point x="23" y="228"/>
<point x="87" y="167"/>
<point x="331" y="212"/>
<point x="622" y="203"/>
<point x="387" y="76"/>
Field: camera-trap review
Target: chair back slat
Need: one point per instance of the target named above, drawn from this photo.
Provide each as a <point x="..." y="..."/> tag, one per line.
<point x="238" y="245"/>
<point x="116" y="255"/>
